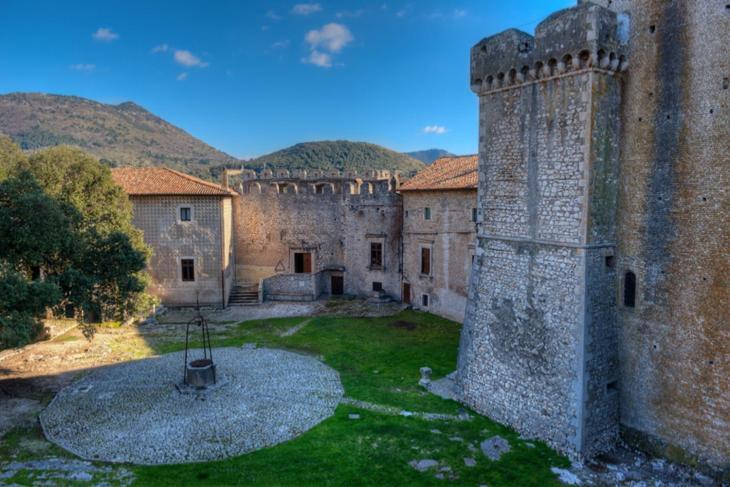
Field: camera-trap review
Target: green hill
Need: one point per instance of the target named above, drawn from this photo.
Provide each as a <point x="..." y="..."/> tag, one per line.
<point x="119" y="135"/>
<point x="429" y="155"/>
<point x="339" y="154"/>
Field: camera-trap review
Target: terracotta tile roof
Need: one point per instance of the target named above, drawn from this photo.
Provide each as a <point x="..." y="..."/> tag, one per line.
<point x="458" y="172"/>
<point x="158" y="181"/>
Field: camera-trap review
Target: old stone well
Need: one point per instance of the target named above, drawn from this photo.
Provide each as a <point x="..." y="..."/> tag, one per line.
<point x="137" y="412"/>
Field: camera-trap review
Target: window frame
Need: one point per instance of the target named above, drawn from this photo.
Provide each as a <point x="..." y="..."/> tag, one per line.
<point x="427" y="213"/>
<point x="374" y="265"/>
<point x="428" y="248"/>
<point x="179" y="213"/>
<point x="183" y="261"/>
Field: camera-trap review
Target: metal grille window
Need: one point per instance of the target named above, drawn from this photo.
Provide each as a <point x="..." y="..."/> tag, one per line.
<point x="376" y="254"/>
<point x="188" y="269"/>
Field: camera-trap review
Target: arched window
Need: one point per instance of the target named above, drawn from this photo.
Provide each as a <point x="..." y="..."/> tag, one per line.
<point x="629" y="289"/>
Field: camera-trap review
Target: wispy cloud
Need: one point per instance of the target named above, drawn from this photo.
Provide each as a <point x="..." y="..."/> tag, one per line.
<point x="271" y="14"/>
<point x="306" y="8"/>
<point x="182" y="76"/>
<point x="187" y="58"/>
<point x="454" y="14"/>
<point x="325" y="42"/>
<point x="82" y="67"/>
<point x="283" y="44"/>
<point x="350" y="13"/>
<point x="321" y="59"/>
<point x="458" y="13"/>
<point x="434" y="129"/>
<point x="105" y="34"/>
<point x="161" y="48"/>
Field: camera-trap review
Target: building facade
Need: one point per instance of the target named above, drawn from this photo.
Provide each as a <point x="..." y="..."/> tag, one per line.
<point x="439" y="233"/>
<point x="306" y="235"/>
<point x="602" y="255"/>
<point x="188" y="224"/>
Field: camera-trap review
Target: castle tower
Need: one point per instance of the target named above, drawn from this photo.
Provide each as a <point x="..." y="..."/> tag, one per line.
<point x="673" y="231"/>
<point x="539" y="344"/>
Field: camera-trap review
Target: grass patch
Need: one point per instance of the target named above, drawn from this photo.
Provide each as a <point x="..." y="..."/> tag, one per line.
<point x="378" y="360"/>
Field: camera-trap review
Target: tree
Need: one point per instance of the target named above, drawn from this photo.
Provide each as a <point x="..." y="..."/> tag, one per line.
<point x="106" y="276"/>
<point x="35" y="234"/>
<point x="10" y="156"/>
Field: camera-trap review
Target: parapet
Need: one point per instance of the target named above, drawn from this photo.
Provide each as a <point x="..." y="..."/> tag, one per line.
<point x="578" y="38"/>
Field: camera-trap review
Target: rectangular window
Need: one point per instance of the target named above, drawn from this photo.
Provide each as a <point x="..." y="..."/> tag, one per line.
<point x="427" y="213"/>
<point x="377" y="286"/>
<point x="188" y="269"/>
<point x="406" y="213"/>
<point x="376" y="254"/>
<point x="424" y="300"/>
<point x="303" y="262"/>
<point x="426" y="261"/>
<point x="474" y="214"/>
<point x="186" y="214"/>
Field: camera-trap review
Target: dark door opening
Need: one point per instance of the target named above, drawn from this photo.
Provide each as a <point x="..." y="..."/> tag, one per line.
<point x="302" y="262"/>
<point x="406" y="293"/>
<point x="338" y="285"/>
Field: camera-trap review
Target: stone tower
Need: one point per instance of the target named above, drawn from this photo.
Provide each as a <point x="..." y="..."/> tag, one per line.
<point x="538" y="348"/>
<point x="674" y="231"/>
<point x="604" y="248"/>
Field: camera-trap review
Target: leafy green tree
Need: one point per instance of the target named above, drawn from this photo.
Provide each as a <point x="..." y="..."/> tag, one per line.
<point x="35" y="234"/>
<point x="10" y="156"/>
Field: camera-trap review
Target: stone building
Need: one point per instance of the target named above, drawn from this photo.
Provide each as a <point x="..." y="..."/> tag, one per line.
<point x="188" y="224"/>
<point x="306" y="235"/>
<point x="439" y="233"/>
<point x="602" y="255"/>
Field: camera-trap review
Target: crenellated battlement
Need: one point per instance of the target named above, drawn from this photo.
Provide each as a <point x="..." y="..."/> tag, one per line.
<point x="568" y="42"/>
<point x="301" y="182"/>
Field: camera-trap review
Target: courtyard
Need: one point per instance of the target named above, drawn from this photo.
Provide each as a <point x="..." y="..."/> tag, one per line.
<point x="386" y="430"/>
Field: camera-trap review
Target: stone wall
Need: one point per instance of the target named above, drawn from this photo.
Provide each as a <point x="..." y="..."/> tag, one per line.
<point x="332" y="216"/>
<point x="203" y="239"/>
<point x="292" y="287"/>
<point x="538" y="348"/>
<point x="673" y="231"/>
<point x="451" y="236"/>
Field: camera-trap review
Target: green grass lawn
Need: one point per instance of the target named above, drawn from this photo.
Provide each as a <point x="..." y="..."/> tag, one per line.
<point x="378" y="360"/>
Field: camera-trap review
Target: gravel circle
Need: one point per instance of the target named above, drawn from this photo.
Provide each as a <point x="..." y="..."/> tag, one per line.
<point x="132" y="412"/>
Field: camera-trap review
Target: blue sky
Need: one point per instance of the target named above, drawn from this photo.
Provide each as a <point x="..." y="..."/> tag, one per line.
<point x="253" y="77"/>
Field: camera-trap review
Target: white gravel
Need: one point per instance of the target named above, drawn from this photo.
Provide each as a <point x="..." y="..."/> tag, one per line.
<point x="132" y="412"/>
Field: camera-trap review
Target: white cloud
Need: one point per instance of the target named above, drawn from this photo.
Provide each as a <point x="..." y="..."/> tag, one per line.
<point x="187" y="58"/>
<point x="161" y="48"/>
<point x="458" y="13"/>
<point x="332" y="37"/>
<point x="84" y="68"/>
<point x="306" y="8"/>
<point x="182" y="76"/>
<point x="321" y="59"/>
<point x="264" y="28"/>
<point x="280" y="44"/>
<point x="105" y="34"/>
<point x="270" y="14"/>
<point x="434" y="129"/>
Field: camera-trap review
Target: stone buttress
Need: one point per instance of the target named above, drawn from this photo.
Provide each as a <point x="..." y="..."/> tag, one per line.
<point x="539" y="344"/>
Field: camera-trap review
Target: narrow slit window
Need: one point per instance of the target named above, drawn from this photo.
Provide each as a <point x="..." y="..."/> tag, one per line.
<point x="427" y="213"/>
<point x="630" y="289"/>
<point x="474" y="214"/>
<point x="424" y="300"/>
<point x="187" y="267"/>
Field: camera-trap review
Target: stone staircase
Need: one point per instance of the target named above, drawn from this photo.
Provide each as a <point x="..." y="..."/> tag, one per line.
<point x="244" y="294"/>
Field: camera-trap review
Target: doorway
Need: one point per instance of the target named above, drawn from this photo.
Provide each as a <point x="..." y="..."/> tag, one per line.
<point x="406" y="293"/>
<point x="337" y="285"/>
<point x="302" y="262"/>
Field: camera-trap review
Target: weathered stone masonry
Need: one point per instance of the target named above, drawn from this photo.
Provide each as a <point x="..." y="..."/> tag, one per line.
<point x="538" y="347"/>
<point x="557" y="329"/>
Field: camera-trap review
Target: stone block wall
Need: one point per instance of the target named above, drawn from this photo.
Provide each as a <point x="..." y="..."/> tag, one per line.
<point x="333" y="216"/>
<point x="451" y="236"/>
<point x="673" y="231"/>
<point x="291" y="287"/>
<point x="204" y="238"/>
<point x="538" y="348"/>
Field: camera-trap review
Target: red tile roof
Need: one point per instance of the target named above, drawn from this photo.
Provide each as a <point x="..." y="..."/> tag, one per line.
<point x="161" y="181"/>
<point x="458" y="172"/>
